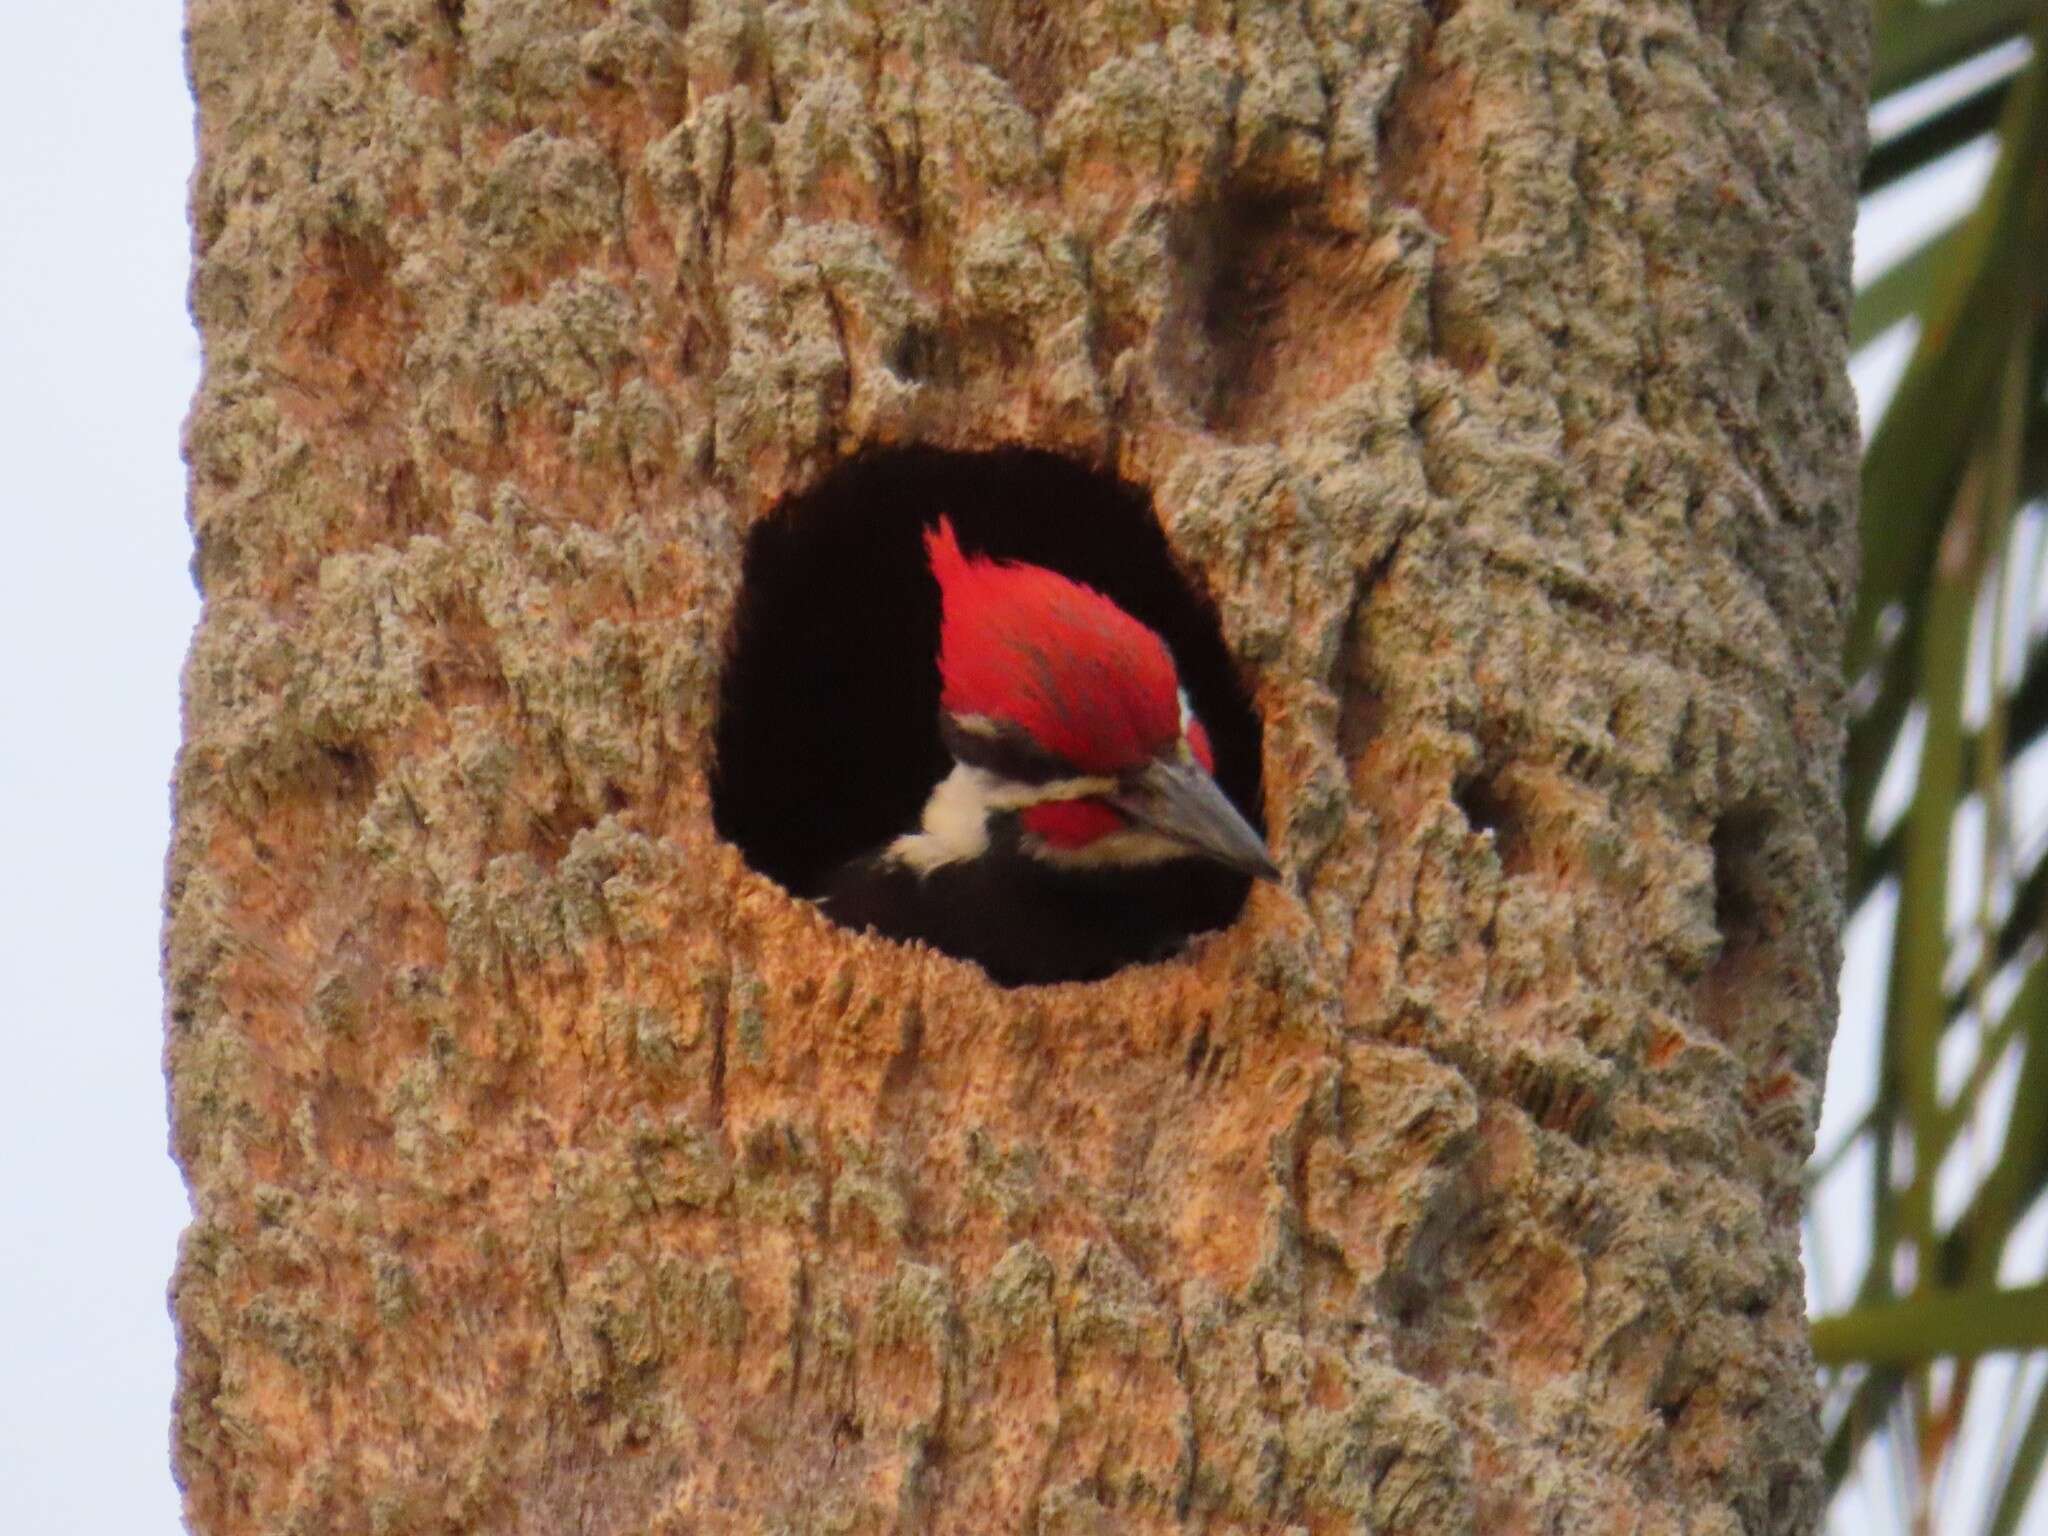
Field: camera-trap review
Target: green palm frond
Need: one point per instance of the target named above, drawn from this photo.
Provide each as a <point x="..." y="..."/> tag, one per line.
<point x="1950" y="671"/>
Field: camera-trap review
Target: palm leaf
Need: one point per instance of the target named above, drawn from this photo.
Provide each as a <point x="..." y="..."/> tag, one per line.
<point x="1951" y="678"/>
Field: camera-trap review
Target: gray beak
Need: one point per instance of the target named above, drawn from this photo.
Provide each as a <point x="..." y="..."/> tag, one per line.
<point x="1182" y="802"/>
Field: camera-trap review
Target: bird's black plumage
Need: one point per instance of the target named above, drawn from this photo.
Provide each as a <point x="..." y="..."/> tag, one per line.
<point x="1026" y="921"/>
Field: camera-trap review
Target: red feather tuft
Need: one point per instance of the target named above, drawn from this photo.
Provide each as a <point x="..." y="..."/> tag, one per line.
<point x="1018" y="643"/>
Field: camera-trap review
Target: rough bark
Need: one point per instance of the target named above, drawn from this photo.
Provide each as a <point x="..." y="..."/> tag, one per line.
<point x="553" y="1171"/>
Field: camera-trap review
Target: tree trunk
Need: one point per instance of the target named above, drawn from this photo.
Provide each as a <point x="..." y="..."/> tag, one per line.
<point x="553" y="1171"/>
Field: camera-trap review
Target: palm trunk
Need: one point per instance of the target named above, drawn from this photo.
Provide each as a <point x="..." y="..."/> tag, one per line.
<point x="553" y="1171"/>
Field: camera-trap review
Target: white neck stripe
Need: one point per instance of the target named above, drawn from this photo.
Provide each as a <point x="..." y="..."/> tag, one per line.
<point x="955" y="821"/>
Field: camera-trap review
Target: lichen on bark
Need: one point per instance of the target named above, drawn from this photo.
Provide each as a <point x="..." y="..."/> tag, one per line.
<point x="1484" y="362"/>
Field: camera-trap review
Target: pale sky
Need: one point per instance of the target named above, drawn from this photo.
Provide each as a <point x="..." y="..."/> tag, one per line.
<point x="97" y="360"/>
<point x="97" y="364"/>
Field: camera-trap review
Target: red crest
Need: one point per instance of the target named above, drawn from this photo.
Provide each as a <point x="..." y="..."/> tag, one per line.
<point x="1030" y="647"/>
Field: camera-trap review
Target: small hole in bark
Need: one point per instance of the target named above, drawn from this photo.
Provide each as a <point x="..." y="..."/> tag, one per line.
<point x="827" y="742"/>
<point x="1728" y="990"/>
<point x="1487" y="809"/>
<point x="1739" y="880"/>
<point x="912" y="357"/>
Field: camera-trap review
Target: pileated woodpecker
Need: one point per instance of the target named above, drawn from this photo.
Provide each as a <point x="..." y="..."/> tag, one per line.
<point x="1059" y="847"/>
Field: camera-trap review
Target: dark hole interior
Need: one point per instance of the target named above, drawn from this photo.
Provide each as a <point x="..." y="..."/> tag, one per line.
<point x="1739" y="879"/>
<point x="827" y="739"/>
<point x="1486" y="807"/>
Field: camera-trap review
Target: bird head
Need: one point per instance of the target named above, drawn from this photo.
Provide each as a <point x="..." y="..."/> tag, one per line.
<point x="1063" y="710"/>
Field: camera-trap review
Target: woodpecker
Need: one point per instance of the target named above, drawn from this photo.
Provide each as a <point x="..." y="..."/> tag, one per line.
<point x="1072" y="834"/>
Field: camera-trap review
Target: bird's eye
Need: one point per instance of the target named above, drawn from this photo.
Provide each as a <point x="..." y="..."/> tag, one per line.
<point x="1071" y="823"/>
